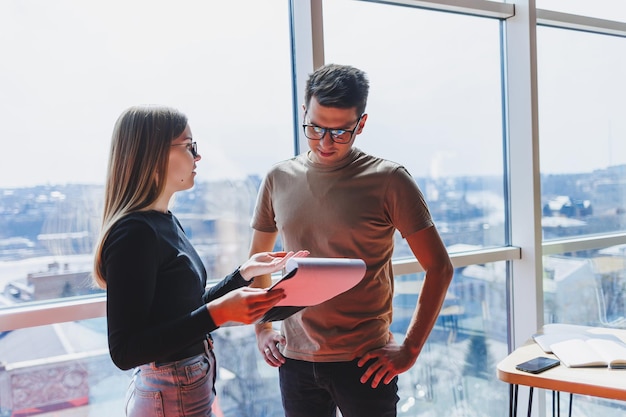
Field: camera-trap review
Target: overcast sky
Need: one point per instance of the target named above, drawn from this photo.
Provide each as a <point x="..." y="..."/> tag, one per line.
<point x="69" y="68"/>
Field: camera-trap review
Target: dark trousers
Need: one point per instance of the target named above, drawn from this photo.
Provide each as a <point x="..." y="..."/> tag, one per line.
<point x="316" y="389"/>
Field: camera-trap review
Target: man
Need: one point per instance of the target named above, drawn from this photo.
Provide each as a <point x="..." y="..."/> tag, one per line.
<point x="337" y="201"/>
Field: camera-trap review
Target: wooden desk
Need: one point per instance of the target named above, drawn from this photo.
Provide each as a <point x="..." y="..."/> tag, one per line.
<point x="598" y="382"/>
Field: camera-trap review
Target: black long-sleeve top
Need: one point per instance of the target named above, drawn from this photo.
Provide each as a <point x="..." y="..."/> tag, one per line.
<point x="156" y="291"/>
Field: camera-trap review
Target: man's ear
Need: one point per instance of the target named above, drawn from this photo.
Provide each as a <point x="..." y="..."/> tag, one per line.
<point x="361" y="124"/>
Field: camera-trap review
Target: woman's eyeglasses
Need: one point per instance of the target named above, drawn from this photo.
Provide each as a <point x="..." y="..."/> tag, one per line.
<point x="191" y="147"/>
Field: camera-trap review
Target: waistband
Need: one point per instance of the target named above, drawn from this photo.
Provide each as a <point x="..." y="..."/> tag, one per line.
<point x="196" y="349"/>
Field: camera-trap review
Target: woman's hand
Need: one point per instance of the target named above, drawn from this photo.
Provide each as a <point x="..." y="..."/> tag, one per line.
<point x="267" y="262"/>
<point x="244" y="305"/>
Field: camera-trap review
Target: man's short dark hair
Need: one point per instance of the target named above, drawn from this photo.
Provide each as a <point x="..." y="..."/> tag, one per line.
<point x="340" y="86"/>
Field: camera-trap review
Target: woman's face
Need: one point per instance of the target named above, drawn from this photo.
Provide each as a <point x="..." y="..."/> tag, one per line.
<point x="182" y="163"/>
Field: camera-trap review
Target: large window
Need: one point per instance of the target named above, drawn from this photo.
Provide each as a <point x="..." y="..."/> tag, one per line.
<point x="435" y="106"/>
<point x="452" y="99"/>
<point x="68" y="69"/>
<point x="583" y="180"/>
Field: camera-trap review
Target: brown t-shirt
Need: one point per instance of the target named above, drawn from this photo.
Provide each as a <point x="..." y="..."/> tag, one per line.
<point x="351" y="210"/>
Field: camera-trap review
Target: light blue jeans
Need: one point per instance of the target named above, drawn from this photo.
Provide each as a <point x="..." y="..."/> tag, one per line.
<point x="185" y="388"/>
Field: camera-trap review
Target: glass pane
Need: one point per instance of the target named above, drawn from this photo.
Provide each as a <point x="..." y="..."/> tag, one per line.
<point x="247" y="386"/>
<point x="68" y="70"/>
<point x="455" y="373"/>
<point x="583" y="160"/>
<point x="435" y="106"/>
<point x="601" y="9"/>
<point x="61" y="370"/>
<point x="587" y="288"/>
<point x="582" y="130"/>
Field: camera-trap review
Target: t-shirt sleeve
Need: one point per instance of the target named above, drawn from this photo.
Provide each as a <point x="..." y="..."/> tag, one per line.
<point x="263" y="218"/>
<point x="405" y="203"/>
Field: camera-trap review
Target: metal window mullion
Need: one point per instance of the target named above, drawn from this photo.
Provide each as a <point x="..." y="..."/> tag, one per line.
<point x="481" y="8"/>
<point x="307" y="54"/>
<point x="583" y="243"/>
<point x="581" y="23"/>
<point x="520" y="69"/>
<point x="459" y="260"/>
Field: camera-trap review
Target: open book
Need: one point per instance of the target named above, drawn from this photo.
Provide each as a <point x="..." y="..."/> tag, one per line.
<point x="310" y="281"/>
<point x="591" y="352"/>
<point x="545" y="341"/>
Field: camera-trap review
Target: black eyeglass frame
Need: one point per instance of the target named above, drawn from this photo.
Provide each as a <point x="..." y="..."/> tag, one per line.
<point x="333" y="132"/>
<point x="191" y="147"/>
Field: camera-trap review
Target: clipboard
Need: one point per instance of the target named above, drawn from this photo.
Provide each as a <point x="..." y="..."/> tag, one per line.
<point x="311" y="281"/>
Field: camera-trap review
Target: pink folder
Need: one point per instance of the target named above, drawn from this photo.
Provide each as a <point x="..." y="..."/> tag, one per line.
<point x="310" y="281"/>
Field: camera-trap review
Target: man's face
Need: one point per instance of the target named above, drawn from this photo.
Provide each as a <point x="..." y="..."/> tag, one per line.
<point x="325" y="151"/>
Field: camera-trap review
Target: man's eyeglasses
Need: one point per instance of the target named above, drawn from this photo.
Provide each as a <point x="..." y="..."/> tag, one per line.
<point x="191" y="147"/>
<point x="315" y="132"/>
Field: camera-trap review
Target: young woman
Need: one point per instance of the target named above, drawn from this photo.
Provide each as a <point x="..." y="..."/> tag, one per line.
<point x="159" y="312"/>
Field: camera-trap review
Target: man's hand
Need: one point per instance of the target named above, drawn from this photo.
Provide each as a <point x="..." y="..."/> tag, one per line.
<point x="388" y="362"/>
<point x="268" y="340"/>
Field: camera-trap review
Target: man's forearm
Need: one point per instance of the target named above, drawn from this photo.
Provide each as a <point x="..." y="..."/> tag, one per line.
<point x="427" y="310"/>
